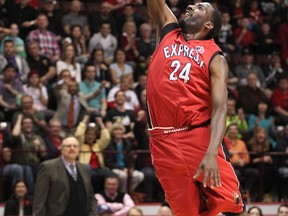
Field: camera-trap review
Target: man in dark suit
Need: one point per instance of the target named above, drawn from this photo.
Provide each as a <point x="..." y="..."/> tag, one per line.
<point x="63" y="186"/>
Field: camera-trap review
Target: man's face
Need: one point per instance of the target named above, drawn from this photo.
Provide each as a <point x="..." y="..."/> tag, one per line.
<point x="9" y="49"/>
<point x="33" y="50"/>
<point x="252" y="80"/>
<point x="283" y="211"/>
<point x="73" y="88"/>
<point x="111" y="185"/>
<point x="195" y="17"/>
<point x="27" y="125"/>
<point x="42" y="22"/>
<point x="70" y="149"/>
<point x="9" y="74"/>
<point x="105" y="29"/>
<point x="27" y="102"/>
<point x="120" y="98"/>
<point x="55" y="128"/>
<point x="90" y="73"/>
<point x="105" y="8"/>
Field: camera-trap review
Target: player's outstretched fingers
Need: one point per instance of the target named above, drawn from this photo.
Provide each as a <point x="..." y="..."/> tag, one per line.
<point x="217" y="179"/>
<point x="212" y="179"/>
<point x="198" y="172"/>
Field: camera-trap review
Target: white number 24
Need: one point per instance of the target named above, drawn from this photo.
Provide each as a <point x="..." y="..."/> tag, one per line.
<point x="184" y="73"/>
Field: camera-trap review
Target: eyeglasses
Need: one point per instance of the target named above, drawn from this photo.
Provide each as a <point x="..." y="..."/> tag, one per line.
<point x="70" y="146"/>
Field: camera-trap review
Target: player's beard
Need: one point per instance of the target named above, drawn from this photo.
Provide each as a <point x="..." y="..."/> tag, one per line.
<point x="190" y="26"/>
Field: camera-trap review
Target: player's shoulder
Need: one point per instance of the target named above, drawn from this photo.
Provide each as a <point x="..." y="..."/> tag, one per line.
<point x="168" y="29"/>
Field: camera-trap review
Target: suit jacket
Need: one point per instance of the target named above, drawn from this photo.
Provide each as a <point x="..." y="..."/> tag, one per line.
<point x="52" y="189"/>
<point x="63" y="101"/>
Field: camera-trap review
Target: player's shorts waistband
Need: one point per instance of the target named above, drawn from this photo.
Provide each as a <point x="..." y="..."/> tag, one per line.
<point x="168" y="130"/>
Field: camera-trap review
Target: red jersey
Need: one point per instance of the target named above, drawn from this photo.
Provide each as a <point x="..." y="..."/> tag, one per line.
<point x="178" y="85"/>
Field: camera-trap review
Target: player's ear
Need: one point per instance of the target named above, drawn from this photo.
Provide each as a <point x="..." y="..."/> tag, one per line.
<point x="209" y="25"/>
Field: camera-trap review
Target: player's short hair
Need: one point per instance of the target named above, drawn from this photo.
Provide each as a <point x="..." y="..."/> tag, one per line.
<point x="217" y="22"/>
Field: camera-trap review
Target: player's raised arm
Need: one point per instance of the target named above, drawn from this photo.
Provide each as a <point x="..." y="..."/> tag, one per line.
<point x="160" y="13"/>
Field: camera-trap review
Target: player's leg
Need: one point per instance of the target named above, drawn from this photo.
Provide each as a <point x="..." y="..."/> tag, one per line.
<point x="179" y="186"/>
<point x="227" y="198"/>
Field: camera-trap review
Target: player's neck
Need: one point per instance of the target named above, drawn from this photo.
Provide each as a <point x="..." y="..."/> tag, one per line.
<point x="196" y="36"/>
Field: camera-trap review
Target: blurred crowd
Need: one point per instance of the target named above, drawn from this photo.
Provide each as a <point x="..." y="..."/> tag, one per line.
<point x="80" y="68"/>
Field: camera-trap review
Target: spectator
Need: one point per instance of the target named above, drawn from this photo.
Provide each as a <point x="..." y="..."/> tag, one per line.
<point x="129" y="13"/>
<point x="78" y="40"/>
<point x="91" y="149"/>
<point x="102" y="70"/>
<point x="265" y="40"/>
<point x="151" y="186"/>
<point x="146" y="45"/>
<point x="18" y="42"/>
<point x="74" y="18"/>
<point x="128" y="42"/>
<point x="283" y="38"/>
<point x="117" y="5"/>
<point x="141" y="85"/>
<point x="119" y="162"/>
<point x="67" y="181"/>
<point x="31" y="147"/>
<point x="93" y="91"/>
<point x="250" y="95"/>
<point x="9" y="57"/>
<point x="237" y="11"/>
<point x="240" y="159"/>
<point x="38" y="92"/>
<point x="263" y="119"/>
<point x="238" y="118"/>
<point x="131" y="101"/>
<point x="255" y="14"/>
<point x="20" y="203"/>
<point x="41" y="64"/>
<point x="71" y="106"/>
<point x="242" y="70"/>
<point x="10" y="89"/>
<point x="244" y="36"/>
<point x="54" y="138"/>
<point x="120" y="67"/>
<point x="273" y="69"/>
<point x="46" y="40"/>
<point x="104" y="15"/>
<point x="255" y="211"/>
<point x="225" y="37"/>
<point x="53" y="15"/>
<point x="104" y="210"/>
<point x="134" y="211"/>
<point x="282" y="163"/>
<point x="16" y="172"/>
<point x="104" y="40"/>
<point x="279" y="101"/>
<point x="28" y="110"/>
<point x="121" y="115"/>
<point x="260" y="147"/>
<point x="165" y="211"/>
<point x="22" y="14"/>
<point x="119" y="202"/>
<point x="68" y="62"/>
<point x="282" y="210"/>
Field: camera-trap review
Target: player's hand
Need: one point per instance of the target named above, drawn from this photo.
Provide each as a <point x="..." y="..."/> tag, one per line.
<point x="210" y="168"/>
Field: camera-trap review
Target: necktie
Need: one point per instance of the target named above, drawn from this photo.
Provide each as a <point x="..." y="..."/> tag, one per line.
<point x="94" y="162"/>
<point x="70" y="119"/>
<point x="73" y="172"/>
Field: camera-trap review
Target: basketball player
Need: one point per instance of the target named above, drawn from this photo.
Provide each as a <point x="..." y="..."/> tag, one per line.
<point x="186" y="98"/>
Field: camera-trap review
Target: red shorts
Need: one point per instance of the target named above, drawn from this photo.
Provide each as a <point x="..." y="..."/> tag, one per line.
<point x="176" y="157"/>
